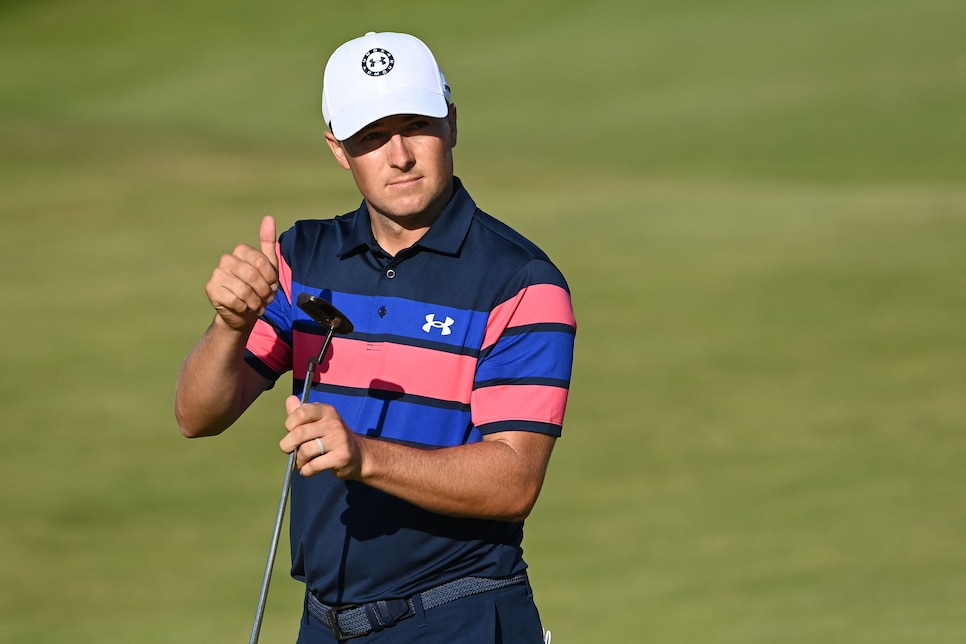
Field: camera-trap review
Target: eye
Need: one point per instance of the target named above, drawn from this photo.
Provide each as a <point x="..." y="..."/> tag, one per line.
<point x="371" y="137"/>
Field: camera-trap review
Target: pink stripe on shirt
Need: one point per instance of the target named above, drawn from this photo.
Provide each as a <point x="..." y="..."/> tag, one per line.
<point x="540" y="303"/>
<point x="392" y="367"/>
<point x="540" y="403"/>
<point x="284" y="273"/>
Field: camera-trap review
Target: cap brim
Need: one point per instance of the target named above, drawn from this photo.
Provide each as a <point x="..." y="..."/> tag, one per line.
<point x="354" y="117"/>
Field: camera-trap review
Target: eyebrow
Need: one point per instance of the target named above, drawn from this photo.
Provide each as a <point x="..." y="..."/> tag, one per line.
<point x="407" y="118"/>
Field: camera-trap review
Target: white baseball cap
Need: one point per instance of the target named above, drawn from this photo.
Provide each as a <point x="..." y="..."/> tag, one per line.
<point x="380" y="75"/>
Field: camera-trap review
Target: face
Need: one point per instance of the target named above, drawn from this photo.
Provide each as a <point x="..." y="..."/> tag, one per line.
<point x="403" y="166"/>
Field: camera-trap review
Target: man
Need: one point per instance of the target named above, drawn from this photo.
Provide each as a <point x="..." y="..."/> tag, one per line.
<point x="428" y="432"/>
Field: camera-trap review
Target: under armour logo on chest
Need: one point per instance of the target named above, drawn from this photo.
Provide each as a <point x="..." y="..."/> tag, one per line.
<point x="433" y="323"/>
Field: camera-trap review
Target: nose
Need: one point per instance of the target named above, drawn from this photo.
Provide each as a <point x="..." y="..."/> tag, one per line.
<point x="400" y="156"/>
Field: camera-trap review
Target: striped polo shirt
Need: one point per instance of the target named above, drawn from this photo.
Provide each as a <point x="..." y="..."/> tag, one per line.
<point x="468" y="332"/>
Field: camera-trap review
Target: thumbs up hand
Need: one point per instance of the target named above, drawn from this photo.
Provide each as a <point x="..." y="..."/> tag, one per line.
<point x="245" y="281"/>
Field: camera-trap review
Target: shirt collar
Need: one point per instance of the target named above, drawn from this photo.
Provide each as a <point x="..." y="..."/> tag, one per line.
<point x="445" y="236"/>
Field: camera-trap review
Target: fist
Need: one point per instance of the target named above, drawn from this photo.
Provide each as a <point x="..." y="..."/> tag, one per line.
<point x="245" y="282"/>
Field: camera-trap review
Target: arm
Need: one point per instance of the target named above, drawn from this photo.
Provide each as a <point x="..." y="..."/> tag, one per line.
<point x="215" y="386"/>
<point x="498" y="478"/>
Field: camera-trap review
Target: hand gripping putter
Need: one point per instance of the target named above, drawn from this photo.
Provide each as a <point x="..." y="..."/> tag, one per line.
<point x="328" y="317"/>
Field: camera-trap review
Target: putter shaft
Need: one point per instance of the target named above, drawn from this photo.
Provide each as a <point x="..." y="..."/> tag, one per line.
<point x="283" y="498"/>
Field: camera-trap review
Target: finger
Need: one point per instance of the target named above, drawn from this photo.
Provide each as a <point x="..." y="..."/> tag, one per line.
<point x="290" y="443"/>
<point x="313" y="466"/>
<point x="301" y="416"/>
<point x="235" y="283"/>
<point x="252" y="267"/>
<point x="298" y="424"/>
<point x="311" y="459"/>
<point x="310" y="450"/>
<point x="266" y="240"/>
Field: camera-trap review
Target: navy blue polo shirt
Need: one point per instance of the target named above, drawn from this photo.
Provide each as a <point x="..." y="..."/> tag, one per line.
<point x="468" y="332"/>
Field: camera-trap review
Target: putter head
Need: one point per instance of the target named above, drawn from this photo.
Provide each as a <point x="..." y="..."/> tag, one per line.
<point x="324" y="313"/>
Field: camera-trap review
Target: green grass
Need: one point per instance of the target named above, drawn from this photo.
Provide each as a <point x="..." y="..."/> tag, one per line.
<point x="760" y="209"/>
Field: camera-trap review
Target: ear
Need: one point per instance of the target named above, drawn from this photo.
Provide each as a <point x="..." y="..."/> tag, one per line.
<point x="337" y="150"/>
<point x="452" y="124"/>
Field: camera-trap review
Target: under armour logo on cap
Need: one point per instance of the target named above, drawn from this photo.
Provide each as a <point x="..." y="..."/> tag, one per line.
<point x="377" y="62"/>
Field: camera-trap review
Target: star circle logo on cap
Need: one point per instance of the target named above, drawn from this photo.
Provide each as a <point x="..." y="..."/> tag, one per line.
<point x="377" y="62"/>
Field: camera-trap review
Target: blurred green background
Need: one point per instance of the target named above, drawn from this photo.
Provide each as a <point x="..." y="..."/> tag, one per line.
<point x="761" y="209"/>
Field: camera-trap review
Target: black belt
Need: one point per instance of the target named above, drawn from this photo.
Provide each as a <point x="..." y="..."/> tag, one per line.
<point x="355" y="620"/>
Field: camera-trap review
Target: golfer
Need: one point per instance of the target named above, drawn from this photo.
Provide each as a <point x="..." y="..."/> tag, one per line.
<point x="429" y="428"/>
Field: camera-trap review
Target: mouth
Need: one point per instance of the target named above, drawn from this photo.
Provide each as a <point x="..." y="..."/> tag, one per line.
<point x="404" y="182"/>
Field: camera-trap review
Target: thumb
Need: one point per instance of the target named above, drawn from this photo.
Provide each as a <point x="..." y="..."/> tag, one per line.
<point x="291" y="404"/>
<point x="266" y="240"/>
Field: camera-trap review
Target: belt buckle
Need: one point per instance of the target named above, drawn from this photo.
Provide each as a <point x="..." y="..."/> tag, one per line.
<point x="333" y="615"/>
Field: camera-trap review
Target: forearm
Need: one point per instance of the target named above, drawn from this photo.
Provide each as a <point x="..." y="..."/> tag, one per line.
<point x="499" y="478"/>
<point x="214" y="385"/>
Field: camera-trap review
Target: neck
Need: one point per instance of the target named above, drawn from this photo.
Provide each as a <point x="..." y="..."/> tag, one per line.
<point x="394" y="234"/>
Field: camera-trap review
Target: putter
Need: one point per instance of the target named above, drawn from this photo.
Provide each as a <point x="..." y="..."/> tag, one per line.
<point x="328" y="317"/>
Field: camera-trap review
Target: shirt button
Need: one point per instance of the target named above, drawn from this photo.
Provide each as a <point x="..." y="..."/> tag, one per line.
<point x="390" y="273"/>
<point x="382" y="311"/>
